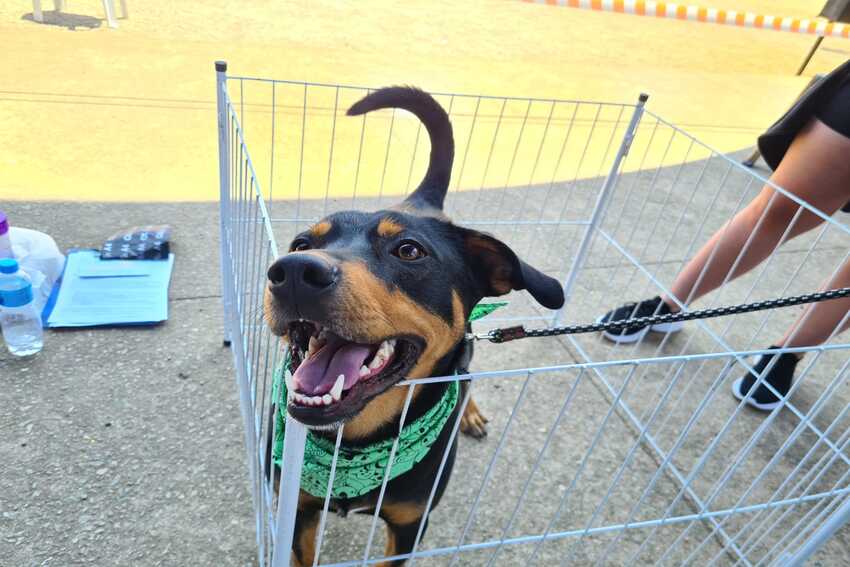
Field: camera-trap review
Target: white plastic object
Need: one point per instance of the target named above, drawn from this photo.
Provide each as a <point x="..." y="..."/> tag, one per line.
<point x="5" y="245"/>
<point x="37" y="255"/>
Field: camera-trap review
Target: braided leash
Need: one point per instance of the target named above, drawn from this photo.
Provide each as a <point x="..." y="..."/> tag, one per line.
<point x="520" y="332"/>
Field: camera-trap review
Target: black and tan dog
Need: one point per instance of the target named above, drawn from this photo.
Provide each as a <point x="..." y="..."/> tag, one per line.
<point x="367" y="299"/>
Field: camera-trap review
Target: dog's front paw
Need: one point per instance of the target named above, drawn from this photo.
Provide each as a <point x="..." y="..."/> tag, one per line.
<point x="473" y="422"/>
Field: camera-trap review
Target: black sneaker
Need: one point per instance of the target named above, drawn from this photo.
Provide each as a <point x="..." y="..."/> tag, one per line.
<point x="635" y="333"/>
<point x="780" y="376"/>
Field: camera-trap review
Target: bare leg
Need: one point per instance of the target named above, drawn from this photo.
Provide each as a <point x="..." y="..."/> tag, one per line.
<point x="820" y="321"/>
<point x="816" y="170"/>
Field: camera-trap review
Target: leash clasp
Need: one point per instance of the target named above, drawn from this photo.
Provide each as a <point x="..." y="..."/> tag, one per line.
<point x="488" y="336"/>
<point x="499" y="335"/>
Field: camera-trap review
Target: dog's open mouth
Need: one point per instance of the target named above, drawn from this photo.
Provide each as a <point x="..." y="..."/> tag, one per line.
<point x="333" y="377"/>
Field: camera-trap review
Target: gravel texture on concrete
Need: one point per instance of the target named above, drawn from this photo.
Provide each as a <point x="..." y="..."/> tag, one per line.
<point x="125" y="446"/>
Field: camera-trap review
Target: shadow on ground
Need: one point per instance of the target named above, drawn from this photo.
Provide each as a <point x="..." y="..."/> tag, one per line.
<point x="66" y="20"/>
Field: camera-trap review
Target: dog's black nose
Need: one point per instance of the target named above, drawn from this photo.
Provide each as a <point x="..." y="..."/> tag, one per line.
<point x="303" y="272"/>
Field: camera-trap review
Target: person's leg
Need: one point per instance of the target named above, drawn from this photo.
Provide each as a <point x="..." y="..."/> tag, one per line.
<point x="816" y="169"/>
<point x="821" y="177"/>
<point x="817" y="324"/>
<point x="820" y="321"/>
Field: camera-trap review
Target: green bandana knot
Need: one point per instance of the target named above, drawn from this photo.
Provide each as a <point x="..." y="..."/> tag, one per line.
<point x="360" y="470"/>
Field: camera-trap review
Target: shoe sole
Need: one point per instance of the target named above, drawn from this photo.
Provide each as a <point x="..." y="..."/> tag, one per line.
<point x="666" y="328"/>
<point x="736" y="391"/>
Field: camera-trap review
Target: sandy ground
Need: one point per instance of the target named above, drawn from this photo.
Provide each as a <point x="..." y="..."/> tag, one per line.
<point x="126" y="114"/>
<point x="125" y="447"/>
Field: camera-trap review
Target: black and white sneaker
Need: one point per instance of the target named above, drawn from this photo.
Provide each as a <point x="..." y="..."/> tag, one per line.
<point x="780" y="376"/>
<point x="635" y="333"/>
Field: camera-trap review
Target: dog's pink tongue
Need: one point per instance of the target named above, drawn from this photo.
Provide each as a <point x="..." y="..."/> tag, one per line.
<point x="316" y="375"/>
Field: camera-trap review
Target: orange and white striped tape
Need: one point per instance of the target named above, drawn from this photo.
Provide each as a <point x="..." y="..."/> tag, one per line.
<point x="672" y="10"/>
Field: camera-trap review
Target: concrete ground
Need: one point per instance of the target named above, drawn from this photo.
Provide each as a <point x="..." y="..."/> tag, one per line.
<point x="686" y="405"/>
<point x="125" y="446"/>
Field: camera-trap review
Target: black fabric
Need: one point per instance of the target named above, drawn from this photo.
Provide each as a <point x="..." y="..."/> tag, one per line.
<point x="780" y="376"/>
<point x="777" y="139"/>
<point x="835" y="112"/>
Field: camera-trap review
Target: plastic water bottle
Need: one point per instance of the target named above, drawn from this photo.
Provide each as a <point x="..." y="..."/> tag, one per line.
<point x="19" y="319"/>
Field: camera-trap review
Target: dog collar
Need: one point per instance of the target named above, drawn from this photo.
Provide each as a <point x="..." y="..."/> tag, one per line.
<point x="360" y="470"/>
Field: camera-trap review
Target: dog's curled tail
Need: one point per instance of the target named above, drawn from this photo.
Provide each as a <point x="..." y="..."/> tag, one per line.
<point x="432" y="190"/>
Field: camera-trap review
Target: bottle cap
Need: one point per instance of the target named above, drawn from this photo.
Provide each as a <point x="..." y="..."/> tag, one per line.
<point x="8" y="266"/>
<point x="4" y="223"/>
<point x="17" y="297"/>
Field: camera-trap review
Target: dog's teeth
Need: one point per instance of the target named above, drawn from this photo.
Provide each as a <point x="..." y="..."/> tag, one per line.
<point x="336" y="391"/>
<point x="317" y="400"/>
<point x="327" y="399"/>
<point x="364" y="371"/>
<point x="298" y="397"/>
<point x="385" y="350"/>
<point x="377" y="361"/>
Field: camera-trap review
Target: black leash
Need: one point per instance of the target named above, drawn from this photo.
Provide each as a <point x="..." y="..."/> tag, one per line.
<point x="520" y="332"/>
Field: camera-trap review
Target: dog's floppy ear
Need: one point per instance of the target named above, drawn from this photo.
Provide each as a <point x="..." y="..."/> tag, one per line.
<point x="432" y="190"/>
<point x="497" y="270"/>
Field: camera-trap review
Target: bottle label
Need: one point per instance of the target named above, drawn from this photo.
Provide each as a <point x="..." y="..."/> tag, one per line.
<point x="16" y="297"/>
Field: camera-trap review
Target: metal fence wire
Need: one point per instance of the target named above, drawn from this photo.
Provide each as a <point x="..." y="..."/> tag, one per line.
<point x="598" y="454"/>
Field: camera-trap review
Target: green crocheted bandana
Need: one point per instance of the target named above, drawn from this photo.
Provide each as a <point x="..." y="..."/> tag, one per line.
<point x="360" y="470"/>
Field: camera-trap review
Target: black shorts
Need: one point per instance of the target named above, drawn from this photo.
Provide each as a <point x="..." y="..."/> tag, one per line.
<point x="835" y="112"/>
<point x="828" y="99"/>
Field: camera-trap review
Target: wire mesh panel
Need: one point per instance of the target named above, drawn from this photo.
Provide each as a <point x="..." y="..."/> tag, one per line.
<point x="597" y="453"/>
<point x="790" y="464"/>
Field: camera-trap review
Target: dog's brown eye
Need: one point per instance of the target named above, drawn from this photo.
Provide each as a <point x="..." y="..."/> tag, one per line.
<point x="409" y="251"/>
<point x="299" y="245"/>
